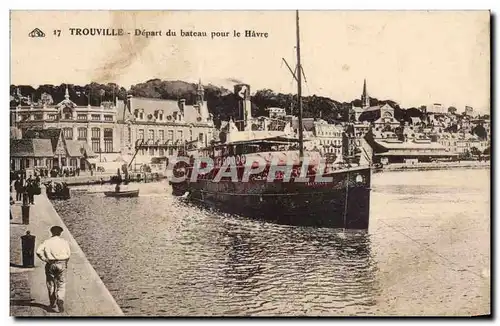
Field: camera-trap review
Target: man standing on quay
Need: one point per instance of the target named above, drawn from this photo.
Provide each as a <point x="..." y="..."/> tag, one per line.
<point x="55" y="252"/>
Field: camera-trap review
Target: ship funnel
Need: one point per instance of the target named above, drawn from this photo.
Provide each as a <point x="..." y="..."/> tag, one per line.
<point x="243" y="105"/>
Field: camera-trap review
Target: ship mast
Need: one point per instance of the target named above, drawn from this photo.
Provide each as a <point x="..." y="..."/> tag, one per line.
<point x="299" y="92"/>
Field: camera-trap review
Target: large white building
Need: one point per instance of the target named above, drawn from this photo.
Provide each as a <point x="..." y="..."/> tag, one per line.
<point x="326" y="138"/>
<point x="112" y="131"/>
<point x="160" y="126"/>
<point x="95" y="125"/>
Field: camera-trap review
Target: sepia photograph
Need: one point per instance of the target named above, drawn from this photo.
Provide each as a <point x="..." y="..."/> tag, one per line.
<point x="291" y="163"/>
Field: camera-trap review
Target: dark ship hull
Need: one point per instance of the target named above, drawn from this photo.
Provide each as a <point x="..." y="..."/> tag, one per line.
<point x="341" y="203"/>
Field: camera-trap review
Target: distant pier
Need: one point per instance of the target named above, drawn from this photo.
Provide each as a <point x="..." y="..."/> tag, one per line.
<point x="434" y="166"/>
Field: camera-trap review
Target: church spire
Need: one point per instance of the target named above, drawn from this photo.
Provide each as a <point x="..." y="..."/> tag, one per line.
<point x="200" y="92"/>
<point x="66" y="95"/>
<point x="365" y="99"/>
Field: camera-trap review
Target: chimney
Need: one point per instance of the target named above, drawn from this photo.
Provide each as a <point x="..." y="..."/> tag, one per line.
<point x="182" y="104"/>
<point x="128" y="103"/>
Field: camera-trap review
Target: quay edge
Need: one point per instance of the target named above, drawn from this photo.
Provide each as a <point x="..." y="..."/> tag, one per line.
<point x="86" y="293"/>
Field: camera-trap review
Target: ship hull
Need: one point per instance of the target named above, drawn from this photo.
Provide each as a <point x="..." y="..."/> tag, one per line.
<point x="344" y="202"/>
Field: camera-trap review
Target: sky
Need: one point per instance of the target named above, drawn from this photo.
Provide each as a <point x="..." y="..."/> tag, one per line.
<point x="412" y="57"/>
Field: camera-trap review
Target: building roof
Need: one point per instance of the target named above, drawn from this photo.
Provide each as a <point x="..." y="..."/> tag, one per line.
<point x="77" y="148"/>
<point x="307" y="123"/>
<point x="74" y="148"/>
<point x="53" y="134"/>
<point x="87" y="149"/>
<point x="169" y="107"/>
<point x="417" y="153"/>
<point x="370" y="108"/>
<point x="31" y="148"/>
<point x="409" y="145"/>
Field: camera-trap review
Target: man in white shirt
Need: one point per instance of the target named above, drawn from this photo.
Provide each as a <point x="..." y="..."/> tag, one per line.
<point x="55" y="252"/>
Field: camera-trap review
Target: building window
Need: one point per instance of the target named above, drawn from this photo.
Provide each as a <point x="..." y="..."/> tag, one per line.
<point x="179" y="135"/>
<point x="96" y="140"/>
<point x="151" y="151"/>
<point x="108" y="140"/>
<point x="141" y="115"/>
<point x="140" y="134"/>
<point x="160" y="116"/>
<point x="25" y="117"/>
<point x="96" y="117"/>
<point x="200" y="137"/>
<point x="67" y="114"/>
<point x="68" y="133"/>
<point x="170" y="151"/>
<point x="171" y="135"/>
<point x="108" y="118"/>
<point x="129" y="134"/>
<point x="161" y="152"/>
<point x="151" y="134"/>
<point x="52" y="116"/>
<point x="190" y="134"/>
<point x="82" y="133"/>
<point x="81" y="117"/>
<point x="38" y="116"/>
<point x="161" y="135"/>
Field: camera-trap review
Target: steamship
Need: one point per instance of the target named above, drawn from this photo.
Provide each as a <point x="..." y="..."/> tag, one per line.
<point x="327" y="196"/>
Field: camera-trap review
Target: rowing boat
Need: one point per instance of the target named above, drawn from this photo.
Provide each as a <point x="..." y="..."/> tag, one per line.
<point x="122" y="194"/>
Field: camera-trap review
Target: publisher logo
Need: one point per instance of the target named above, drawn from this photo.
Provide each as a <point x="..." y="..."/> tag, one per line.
<point x="36" y="33"/>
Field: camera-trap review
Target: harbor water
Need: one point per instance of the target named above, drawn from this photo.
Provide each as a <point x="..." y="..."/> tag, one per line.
<point x="427" y="252"/>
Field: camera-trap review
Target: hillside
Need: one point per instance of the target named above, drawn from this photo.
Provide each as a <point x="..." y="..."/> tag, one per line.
<point x="220" y="101"/>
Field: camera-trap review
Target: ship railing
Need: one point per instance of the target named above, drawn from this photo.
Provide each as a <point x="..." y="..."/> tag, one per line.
<point x="279" y="176"/>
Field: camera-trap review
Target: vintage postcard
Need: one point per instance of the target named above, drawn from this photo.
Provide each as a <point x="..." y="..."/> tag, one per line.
<point x="250" y="163"/>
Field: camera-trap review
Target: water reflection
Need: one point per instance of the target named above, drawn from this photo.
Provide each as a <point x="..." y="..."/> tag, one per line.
<point x="313" y="271"/>
<point x="163" y="256"/>
<point x="159" y="255"/>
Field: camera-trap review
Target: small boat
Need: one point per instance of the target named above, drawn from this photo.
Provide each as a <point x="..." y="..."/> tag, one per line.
<point x="59" y="195"/>
<point x="122" y="194"/>
<point x="80" y="190"/>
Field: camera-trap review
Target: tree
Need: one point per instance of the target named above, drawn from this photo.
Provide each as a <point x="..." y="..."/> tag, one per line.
<point x="452" y="110"/>
<point x="475" y="151"/>
<point x="480" y="131"/>
<point x="46" y="99"/>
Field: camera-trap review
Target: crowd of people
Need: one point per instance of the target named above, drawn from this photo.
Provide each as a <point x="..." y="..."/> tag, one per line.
<point x="26" y="188"/>
<point x="57" y="190"/>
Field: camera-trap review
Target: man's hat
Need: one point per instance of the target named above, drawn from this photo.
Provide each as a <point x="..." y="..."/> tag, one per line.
<point x="57" y="230"/>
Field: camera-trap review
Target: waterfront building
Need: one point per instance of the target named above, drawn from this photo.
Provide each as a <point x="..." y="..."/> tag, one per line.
<point x="326" y="138"/>
<point x="352" y="139"/>
<point x="94" y="125"/>
<point x="389" y="148"/>
<point x="277" y="113"/>
<point x="465" y="143"/>
<point x="161" y="126"/>
<point x="27" y="154"/>
<point x="47" y="148"/>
